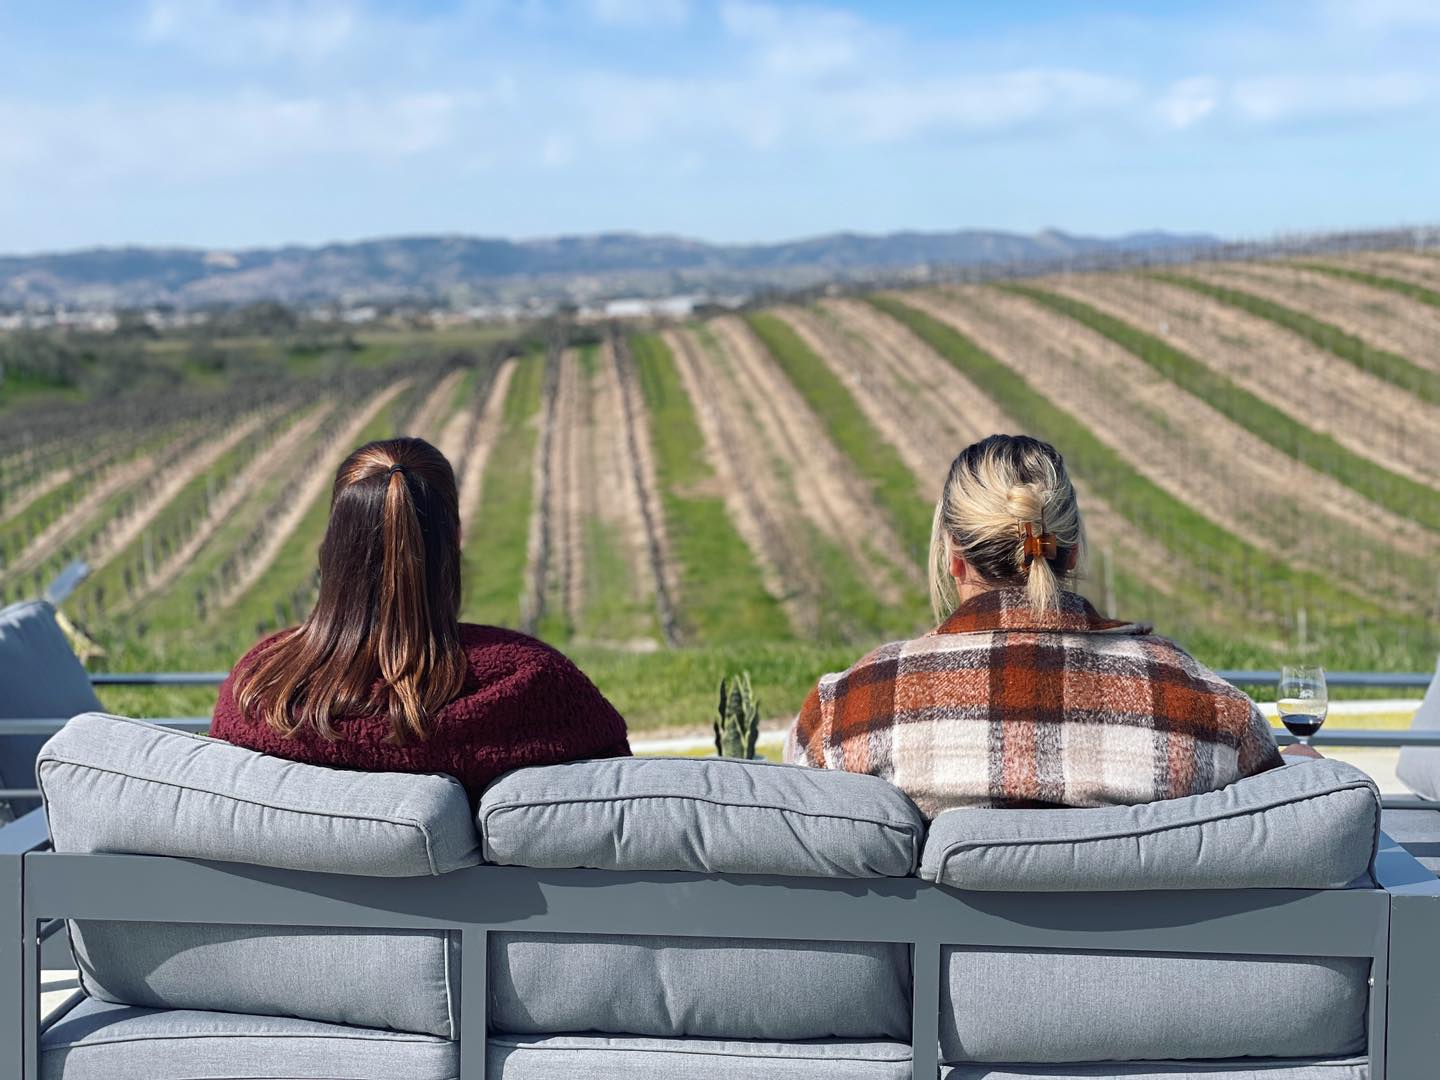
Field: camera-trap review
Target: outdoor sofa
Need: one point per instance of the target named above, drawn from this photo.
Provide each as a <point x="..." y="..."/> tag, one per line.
<point x="237" y="916"/>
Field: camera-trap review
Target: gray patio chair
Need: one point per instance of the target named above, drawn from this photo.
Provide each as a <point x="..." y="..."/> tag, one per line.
<point x="693" y="919"/>
<point x="42" y="679"/>
<point x="1418" y="829"/>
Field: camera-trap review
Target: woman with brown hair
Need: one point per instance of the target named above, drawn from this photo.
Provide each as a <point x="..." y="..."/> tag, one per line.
<point x="383" y="675"/>
<point x="1025" y="695"/>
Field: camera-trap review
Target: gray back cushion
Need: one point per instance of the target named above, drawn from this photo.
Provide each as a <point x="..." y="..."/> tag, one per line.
<point x="40" y="679"/>
<point x="673" y="987"/>
<point x="710" y="815"/>
<point x="1325" y="816"/>
<point x="1419" y="767"/>
<point x="1011" y="1005"/>
<point x="117" y="785"/>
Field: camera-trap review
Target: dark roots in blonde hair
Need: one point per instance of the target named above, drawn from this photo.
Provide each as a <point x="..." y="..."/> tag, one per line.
<point x="385" y="634"/>
<point x="996" y="487"/>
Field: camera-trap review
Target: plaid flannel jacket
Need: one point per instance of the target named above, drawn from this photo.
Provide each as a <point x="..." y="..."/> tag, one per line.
<point x="1003" y="706"/>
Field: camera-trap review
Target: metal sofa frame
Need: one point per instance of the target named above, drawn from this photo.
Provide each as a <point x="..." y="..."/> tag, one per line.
<point x="1397" y="926"/>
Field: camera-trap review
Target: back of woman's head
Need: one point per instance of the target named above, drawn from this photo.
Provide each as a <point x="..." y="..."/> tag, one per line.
<point x="1009" y="510"/>
<point x="384" y="635"/>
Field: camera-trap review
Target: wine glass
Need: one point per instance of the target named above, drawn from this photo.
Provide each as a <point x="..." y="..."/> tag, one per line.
<point x="1302" y="701"/>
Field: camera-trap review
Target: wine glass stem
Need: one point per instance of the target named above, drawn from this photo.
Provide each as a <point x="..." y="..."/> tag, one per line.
<point x="1304" y="740"/>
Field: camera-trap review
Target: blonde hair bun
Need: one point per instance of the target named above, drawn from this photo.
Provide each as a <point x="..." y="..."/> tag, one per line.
<point x="995" y="487"/>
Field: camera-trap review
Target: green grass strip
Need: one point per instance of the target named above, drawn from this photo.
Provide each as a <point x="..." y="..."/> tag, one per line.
<point x="722" y="594"/>
<point x="1392" y="367"/>
<point x="1223" y="557"/>
<point x="495" y="553"/>
<point x="1321" y="452"/>
<point x="892" y="485"/>
<point x="1379" y="281"/>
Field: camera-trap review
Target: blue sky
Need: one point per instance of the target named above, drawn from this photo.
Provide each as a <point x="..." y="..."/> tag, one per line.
<point x="222" y="123"/>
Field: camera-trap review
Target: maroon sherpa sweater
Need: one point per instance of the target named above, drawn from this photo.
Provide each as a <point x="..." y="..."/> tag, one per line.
<point x="523" y="703"/>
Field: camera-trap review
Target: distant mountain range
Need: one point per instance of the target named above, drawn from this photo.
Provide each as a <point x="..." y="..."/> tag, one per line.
<point x="462" y="269"/>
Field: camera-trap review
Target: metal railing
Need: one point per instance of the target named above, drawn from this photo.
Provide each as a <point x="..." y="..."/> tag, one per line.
<point x="1343" y="737"/>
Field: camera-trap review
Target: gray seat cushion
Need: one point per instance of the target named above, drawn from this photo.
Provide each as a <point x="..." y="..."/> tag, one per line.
<point x="315" y="973"/>
<point x="1419" y="767"/>
<point x="569" y="1057"/>
<point x="1012" y="1005"/>
<point x="672" y="987"/>
<point x="117" y="785"/>
<point x="1418" y="832"/>
<point x="1313" y="825"/>
<point x="1350" y="1069"/>
<point x="97" y="1041"/>
<point x="703" y="814"/>
<point x="42" y="680"/>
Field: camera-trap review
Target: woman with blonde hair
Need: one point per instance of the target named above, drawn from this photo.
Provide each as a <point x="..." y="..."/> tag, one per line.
<point x="1024" y="695"/>
<point x="383" y="675"/>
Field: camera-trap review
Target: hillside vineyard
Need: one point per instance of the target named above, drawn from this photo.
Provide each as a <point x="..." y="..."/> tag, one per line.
<point x="1256" y="447"/>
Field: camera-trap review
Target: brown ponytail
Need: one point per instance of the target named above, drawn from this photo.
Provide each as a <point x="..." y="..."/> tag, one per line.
<point x="384" y="635"/>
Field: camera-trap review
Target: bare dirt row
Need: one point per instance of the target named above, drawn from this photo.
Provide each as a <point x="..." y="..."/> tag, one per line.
<point x="534" y="600"/>
<point x="1419" y="269"/>
<point x="113" y="480"/>
<point x="1368" y="416"/>
<point x="572" y="487"/>
<point x="122" y="529"/>
<point x="432" y="411"/>
<point x="477" y="442"/>
<point x="826" y="488"/>
<point x="754" y="493"/>
<point x="1191" y="451"/>
<point x="935" y="412"/>
<point x="311" y="487"/>
<point x="1382" y="319"/>
<point x="227" y="500"/>
<point x="621" y="409"/>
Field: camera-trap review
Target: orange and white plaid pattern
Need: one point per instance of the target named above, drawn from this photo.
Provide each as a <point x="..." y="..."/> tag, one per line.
<point x="1001" y="706"/>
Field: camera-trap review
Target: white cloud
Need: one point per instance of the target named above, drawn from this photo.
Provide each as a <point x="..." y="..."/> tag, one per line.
<point x="259" y="30"/>
<point x="1383" y="15"/>
<point x="799" y="42"/>
<point x="1188" y="101"/>
<point x="1279" y="98"/>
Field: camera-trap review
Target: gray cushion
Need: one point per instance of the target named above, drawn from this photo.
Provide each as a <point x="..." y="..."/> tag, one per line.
<point x="1418" y="832"/>
<point x="704" y="814"/>
<point x="1419" y="767"/>
<point x="569" y="1057"/>
<point x="1351" y="1069"/>
<point x="117" y="785"/>
<point x="1313" y="825"/>
<point x="1013" y="1005"/>
<point x="96" y="1041"/>
<point x="42" y="680"/>
<point x="671" y="987"/>
<point x="319" y="974"/>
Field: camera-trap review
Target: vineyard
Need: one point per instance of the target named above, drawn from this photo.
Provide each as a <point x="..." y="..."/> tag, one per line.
<point x="1256" y="446"/>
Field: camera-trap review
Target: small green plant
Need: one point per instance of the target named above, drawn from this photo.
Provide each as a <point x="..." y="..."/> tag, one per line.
<point x="737" y="721"/>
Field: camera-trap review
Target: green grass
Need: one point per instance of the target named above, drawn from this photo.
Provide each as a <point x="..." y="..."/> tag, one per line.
<point x="495" y="551"/>
<point x="1379" y="281"/>
<point x="892" y="485"/>
<point x="722" y="595"/>
<point x="1320" y="452"/>
<point x="614" y="610"/>
<point x="1393" y="368"/>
